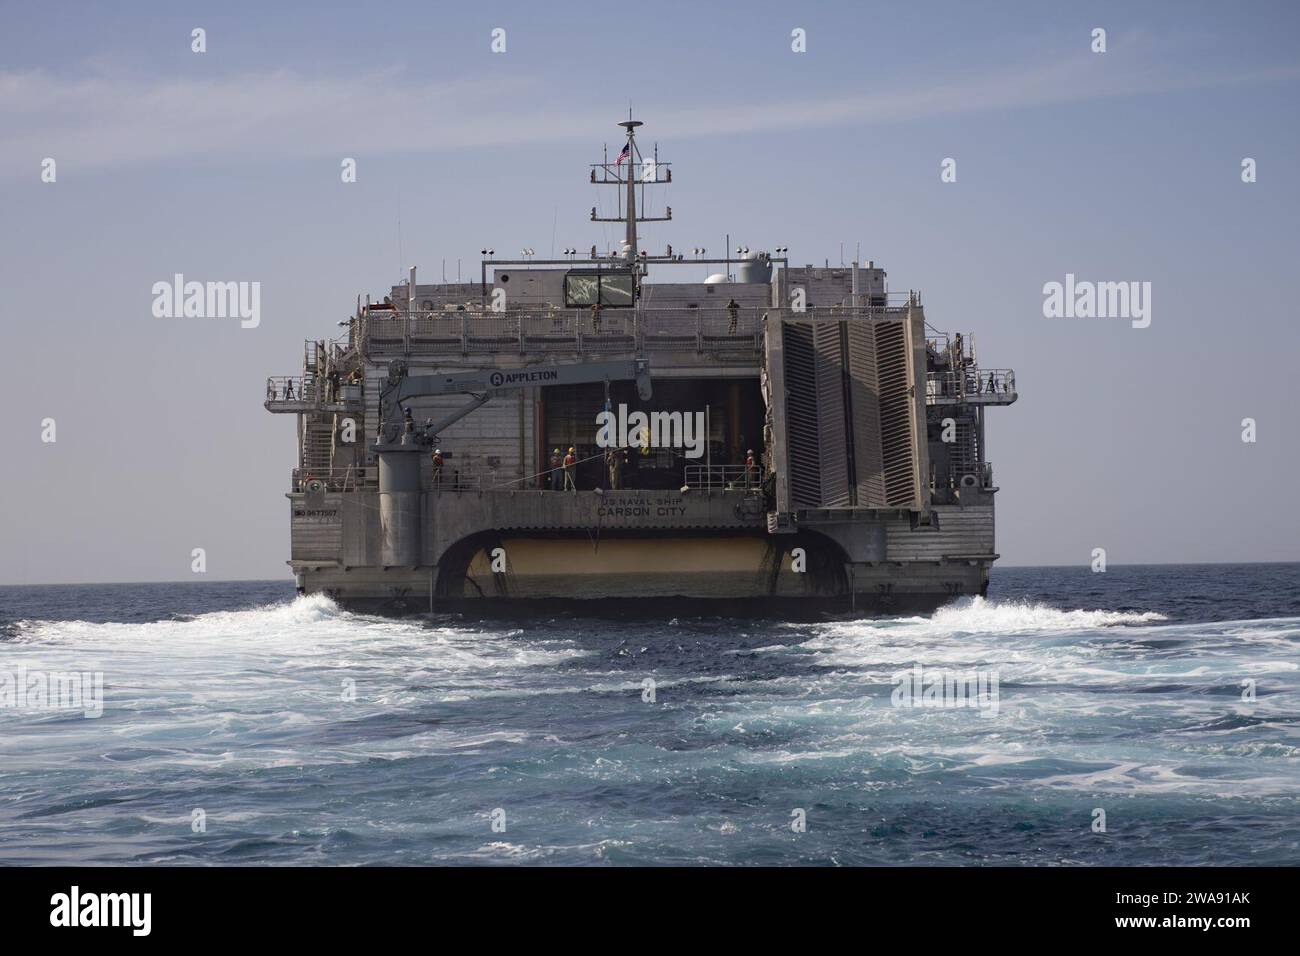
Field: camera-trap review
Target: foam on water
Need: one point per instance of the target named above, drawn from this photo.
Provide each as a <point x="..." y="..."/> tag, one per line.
<point x="244" y="711"/>
<point x="980" y="615"/>
<point x="306" y="629"/>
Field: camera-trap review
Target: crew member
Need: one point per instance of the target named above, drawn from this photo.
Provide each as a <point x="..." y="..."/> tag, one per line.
<point x="408" y="434"/>
<point x="557" y="462"/>
<point x="288" y="390"/>
<point x="751" y="470"/>
<point x="733" y="316"/>
<point x="595" y="318"/>
<point x="614" y="459"/>
<point x="570" y="465"/>
<point x="437" y="467"/>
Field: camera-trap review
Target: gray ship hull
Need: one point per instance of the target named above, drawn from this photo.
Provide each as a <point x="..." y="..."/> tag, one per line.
<point x="593" y="553"/>
<point x="787" y="437"/>
<point x="782" y="609"/>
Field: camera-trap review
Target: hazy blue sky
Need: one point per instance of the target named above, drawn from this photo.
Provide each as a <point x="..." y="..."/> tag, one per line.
<point x="225" y="166"/>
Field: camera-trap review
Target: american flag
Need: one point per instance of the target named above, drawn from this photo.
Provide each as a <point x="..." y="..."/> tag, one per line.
<point x="627" y="152"/>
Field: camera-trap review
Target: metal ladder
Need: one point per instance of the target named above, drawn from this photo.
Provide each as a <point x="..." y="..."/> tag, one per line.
<point x="317" y="448"/>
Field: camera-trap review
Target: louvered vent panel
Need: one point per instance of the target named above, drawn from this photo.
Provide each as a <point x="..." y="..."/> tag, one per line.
<point x="895" y="416"/>
<point x="865" y="402"/>
<point x="849" y="415"/>
<point x="832" y="450"/>
<point x="801" y="415"/>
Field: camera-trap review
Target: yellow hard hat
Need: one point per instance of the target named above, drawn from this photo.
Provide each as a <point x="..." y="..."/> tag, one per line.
<point x="571" y="450"/>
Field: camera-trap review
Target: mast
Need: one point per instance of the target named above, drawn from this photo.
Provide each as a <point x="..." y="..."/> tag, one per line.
<point x="631" y="126"/>
<point x="613" y="174"/>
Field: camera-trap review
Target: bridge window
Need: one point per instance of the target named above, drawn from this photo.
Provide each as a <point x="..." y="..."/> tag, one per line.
<point x="611" y="289"/>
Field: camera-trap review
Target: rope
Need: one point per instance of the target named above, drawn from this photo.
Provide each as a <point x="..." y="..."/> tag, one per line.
<point x="547" y="471"/>
<point x="375" y="506"/>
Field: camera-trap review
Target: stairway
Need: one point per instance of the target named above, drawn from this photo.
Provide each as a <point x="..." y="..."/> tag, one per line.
<point x="964" y="457"/>
<point x="317" y="448"/>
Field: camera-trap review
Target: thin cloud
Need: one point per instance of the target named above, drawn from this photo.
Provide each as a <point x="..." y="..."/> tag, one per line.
<point x="114" y="119"/>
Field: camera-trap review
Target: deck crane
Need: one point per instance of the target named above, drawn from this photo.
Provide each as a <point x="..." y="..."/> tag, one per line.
<point x="483" y="385"/>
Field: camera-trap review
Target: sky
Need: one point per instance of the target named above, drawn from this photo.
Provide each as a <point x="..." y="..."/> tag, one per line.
<point x="1123" y="165"/>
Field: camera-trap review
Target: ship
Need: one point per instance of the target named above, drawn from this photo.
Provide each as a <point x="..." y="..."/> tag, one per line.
<point x="630" y="428"/>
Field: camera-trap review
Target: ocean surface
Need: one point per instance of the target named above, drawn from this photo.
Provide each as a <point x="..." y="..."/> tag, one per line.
<point x="242" y="725"/>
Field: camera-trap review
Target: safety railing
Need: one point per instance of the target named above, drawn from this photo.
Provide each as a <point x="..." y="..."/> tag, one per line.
<point x="971" y="384"/>
<point x="716" y="328"/>
<point x="295" y="389"/>
<point x="453" y="480"/>
<point x="293" y="392"/>
<point x="864" y="311"/>
<point x="529" y="331"/>
<point x="722" y="477"/>
<point x="309" y="480"/>
<point x="976" y="475"/>
<point x="337" y="479"/>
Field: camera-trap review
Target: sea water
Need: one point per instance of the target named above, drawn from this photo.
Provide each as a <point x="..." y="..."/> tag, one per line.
<point x="1147" y="715"/>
